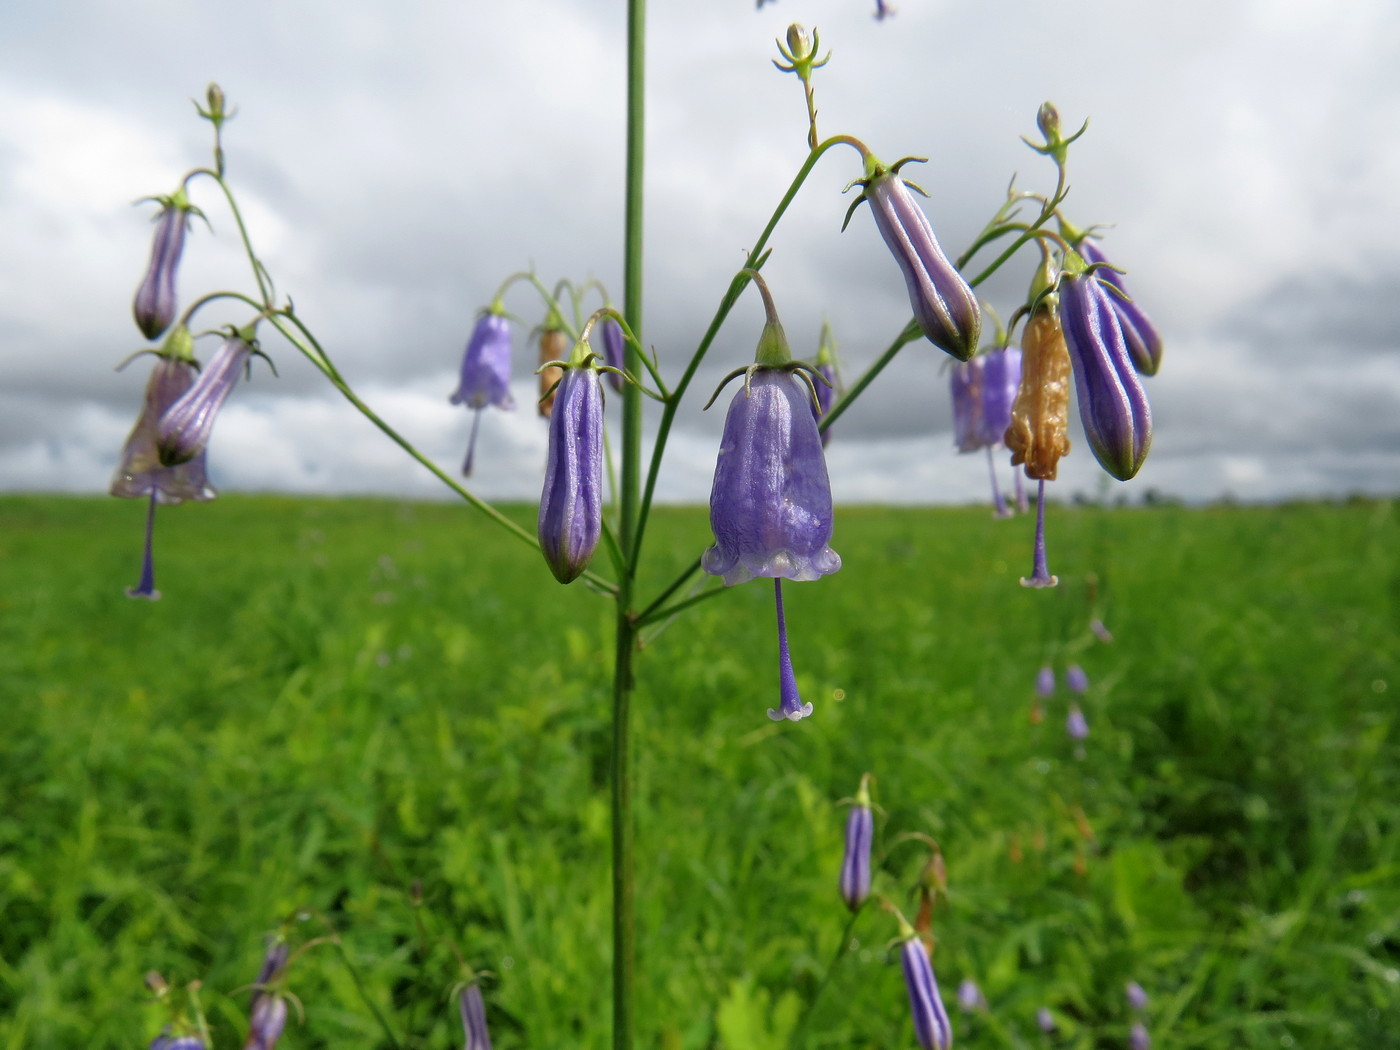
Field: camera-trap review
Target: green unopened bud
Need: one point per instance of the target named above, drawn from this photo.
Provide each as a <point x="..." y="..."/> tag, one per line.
<point x="799" y="42"/>
<point x="1048" y="120"/>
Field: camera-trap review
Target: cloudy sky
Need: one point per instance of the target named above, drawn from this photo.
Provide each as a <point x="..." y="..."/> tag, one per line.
<point x="396" y="158"/>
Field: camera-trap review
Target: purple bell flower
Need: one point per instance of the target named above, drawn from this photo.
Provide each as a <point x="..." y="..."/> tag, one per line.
<point x="1112" y="404"/>
<point x="1136" y="996"/>
<point x="1045" y="1020"/>
<point x="474" y="1019"/>
<point x="860" y="834"/>
<point x="1001" y="378"/>
<point x="1138" y="1037"/>
<point x="571" y="506"/>
<point x="1076" y="725"/>
<point x="155" y="303"/>
<point x="970" y="997"/>
<point x="1045" y="682"/>
<point x="166" y="1041"/>
<point x="485" y="377"/>
<point x="965" y="382"/>
<point x="185" y="428"/>
<point x="614" y="350"/>
<point x="1076" y="679"/>
<point x="1144" y="342"/>
<point x="944" y="304"/>
<point x="269" y="1017"/>
<point x="932" y="1028"/>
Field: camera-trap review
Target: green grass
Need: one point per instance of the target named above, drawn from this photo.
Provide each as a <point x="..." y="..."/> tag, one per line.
<point x="339" y="700"/>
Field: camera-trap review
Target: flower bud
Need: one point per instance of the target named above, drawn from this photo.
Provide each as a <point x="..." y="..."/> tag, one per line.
<point x="1076" y="725"/>
<point x="1143" y="341"/>
<point x="614" y="350"/>
<point x="1045" y="682"/>
<point x="185" y="428"/>
<point x="473" y="1012"/>
<point x="1138" y="1037"/>
<point x="932" y="1028"/>
<point x="970" y="997"/>
<point x="944" y="306"/>
<point x="1112" y="404"/>
<point x="155" y="303"/>
<point x="1045" y="1020"/>
<point x="799" y="43"/>
<point x="571" y="506"/>
<point x="1136" y="996"/>
<point x="554" y="346"/>
<point x="1076" y="679"/>
<point x="965" y="382"/>
<point x="1038" y="434"/>
<point x="268" y="1020"/>
<point x="855" y="864"/>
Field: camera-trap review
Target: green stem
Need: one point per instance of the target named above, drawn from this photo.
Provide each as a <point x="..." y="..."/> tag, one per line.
<point x="797" y="1041"/>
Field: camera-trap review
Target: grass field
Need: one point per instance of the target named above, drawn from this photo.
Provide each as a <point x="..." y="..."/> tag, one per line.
<point x="339" y="701"/>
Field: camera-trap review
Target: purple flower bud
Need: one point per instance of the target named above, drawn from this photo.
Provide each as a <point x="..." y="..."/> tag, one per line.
<point x="1112" y="404"/>
<point x="855" y="865"/>
<point x="274" y="962"/>
<point x="1045" y="1020"/>
<point x="1076" y="679"/>
<point x="485" y="373"/>
<point x="614" y="349"/>
<point x="155" y="303"/>
<point x="571" y="506"/>
<point x="943" y="303"/>
<point x="185" y="428"/>
<point x="970" y="997"/>
<point x="1137" y="998"/>
<point x="1101" y="632"/>
<point x="1144" y="342"/>
<point x="931" y="1026"/>
<point x="268" y="1019"/>
<point x="140" y="471"/>
<point x="1076" y="725"/>
<point x="1045" y="682"/>
<point x="770" y="505"/>
<point x="474" y="1019"/>
<point x="1138" y="1037"/>
<point x="166" y="1041"/>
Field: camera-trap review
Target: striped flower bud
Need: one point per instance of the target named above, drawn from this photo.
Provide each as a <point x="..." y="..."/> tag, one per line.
<point x="860" y="834"/>
<point x="485" y="377"/>
<point x="155" y="303"/>
<point x="571" y="505"/>
<point x="614" y="350"/>
<point x="1112" y="404"/>
<point x="268" y="1019"/>
<point x="473" y="1012"/>
<point x="1141" y="335"/>
<point x="944" y="305"/>
<point x="932" y="1028"/>
<point x="185" y="428"/>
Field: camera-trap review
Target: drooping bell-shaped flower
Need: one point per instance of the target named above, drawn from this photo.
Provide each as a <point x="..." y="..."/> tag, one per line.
<point x="614" y="350"/>
<point x="1112" y="403"/>
<point x="770" y="505"/>
<point x="1138" y="1037"/>
<point x="184" y="430"/>
<point x="1045" y="1020"/>
<point x="965" y="384"/>
<point x="860" y="835"/>
<point x="156" y="303"/>
<point x="1143" y="340"/>
<point x="970" y="997"/>
<point x="1001" y="380"/>
<point x="1076" y="725"/>
<point x="485" y="379"/>
<point x="932" y="1028"/>
<point x="1136" y="996"/>
<point x="473" y="1011"/>
<point x="269" y="1018"/>
<point x="571" y="505"/>
<point x="944" y="304"/>
<point x="1076" y="679"/>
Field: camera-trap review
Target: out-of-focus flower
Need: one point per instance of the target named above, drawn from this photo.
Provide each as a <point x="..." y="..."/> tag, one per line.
<point x="965" y="384"/>
<point x="828" y="370"/>
<point x="970" y="997"/>
<point x="1101" y="632"/>
<point x="269" y="1017"/>
<point x="1137" y="998"/>
<point x="1001" y="381"/>
<point x="770" y="505"/>
<point x="473" y="1012"/>
<point x="1076" y="679"/>
<point x="1138" y="1037"/>
<point x="1045" y="682"/>
<point x="614" y="350"/>
<point x="932" y="1028"/>
<point x="155" y="303"/>
<point x="485" y="379"/>
<point x="944" y="304"/>
<point x="1076" y="725"/>
<point x="882" y="10"/>
<point x="1045" y="1020"/>
<point x="571" y="505"/>
<point x="860" y="833"/>
<point x="166" y="1041"/>
<point x="185" y="428"/>
<point x="1112" y="403"/>
<point x="554" y="346"/>
<point x="1144" y="342"/>
<point x="140" y="471"/>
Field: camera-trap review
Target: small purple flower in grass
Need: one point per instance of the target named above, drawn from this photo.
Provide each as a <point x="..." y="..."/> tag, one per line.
<point x="1144" y="342"/>
<point x="571" y="505"/>
<point x="970" y="997"/>
<point x="185" y="428"/>
<point x="485" y="379"/>
<point x="860" y="833"/>
<point x="474" y="1019"/>
<point x="1076" y="725"/>
<point x="944" y="304"/>
<point x="269" y="1017"/>
<point x="770" y="505"/>
<point x="1138" y="1037"/>
<point x="1101" y="632"/>
<point x="155" y="303"/>
<point x="932" y="1028"/>
<point x="166" y="1041"/>
<point x="1045" y="1020"/>
<point x="1045" y="682"/>
<point x="1076" y="679"/>
<point x="1137" y="998"/>
<point x="1112" y="404"/>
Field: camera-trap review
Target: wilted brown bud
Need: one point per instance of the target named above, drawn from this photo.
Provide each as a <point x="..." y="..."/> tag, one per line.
<point x="554" y="346"/>
<point x="1038" y="434"/>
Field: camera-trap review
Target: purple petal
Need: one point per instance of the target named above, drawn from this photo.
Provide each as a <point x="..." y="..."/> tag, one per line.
<point x="485" y="378"/>
<point x="571" y="506"/>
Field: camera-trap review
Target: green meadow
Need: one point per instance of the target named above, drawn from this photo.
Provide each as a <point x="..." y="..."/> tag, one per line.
<point x="385" y="725"/>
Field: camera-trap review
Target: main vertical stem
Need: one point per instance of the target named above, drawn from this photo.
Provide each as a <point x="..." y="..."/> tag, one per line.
<point x="629" y="516"/>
